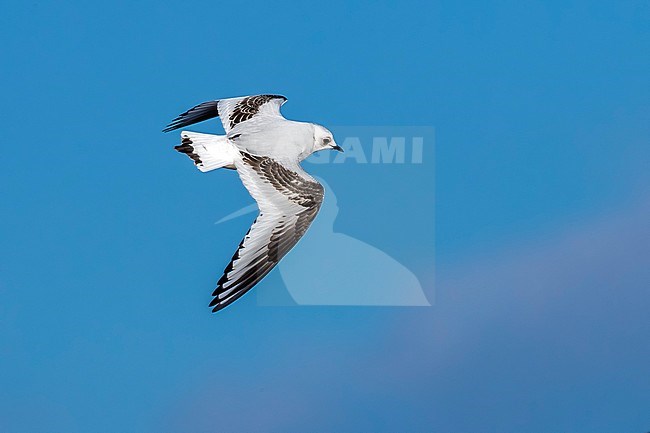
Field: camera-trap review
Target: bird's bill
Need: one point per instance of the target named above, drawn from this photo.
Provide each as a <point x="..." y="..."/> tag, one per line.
<point x="337" y="147"/>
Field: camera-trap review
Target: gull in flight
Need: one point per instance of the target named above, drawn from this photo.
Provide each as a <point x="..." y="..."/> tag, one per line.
<point x="266" y="150"/>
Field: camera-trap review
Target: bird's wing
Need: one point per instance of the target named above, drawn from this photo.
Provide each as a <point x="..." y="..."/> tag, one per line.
<point x="288" y="200"/>
<point x="232" y="111"/>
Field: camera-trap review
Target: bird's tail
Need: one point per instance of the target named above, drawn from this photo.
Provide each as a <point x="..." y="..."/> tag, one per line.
<point x="208" y="151"/>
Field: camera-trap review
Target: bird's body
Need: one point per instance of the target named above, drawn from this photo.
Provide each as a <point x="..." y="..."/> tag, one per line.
<point x="266" y="150"/>
<point x="285" y="139"/>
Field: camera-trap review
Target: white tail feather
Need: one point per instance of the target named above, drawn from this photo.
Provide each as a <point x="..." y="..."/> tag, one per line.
<point x="208" y="151"/>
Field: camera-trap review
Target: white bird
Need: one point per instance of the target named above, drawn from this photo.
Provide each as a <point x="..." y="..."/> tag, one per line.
<point x="266" y="150"/>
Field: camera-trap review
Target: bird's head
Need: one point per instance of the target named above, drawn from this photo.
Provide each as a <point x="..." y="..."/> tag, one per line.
<point x="323" y="139"/>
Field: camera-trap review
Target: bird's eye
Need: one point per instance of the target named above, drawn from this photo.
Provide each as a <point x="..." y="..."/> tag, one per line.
<point x="326" y="140"/>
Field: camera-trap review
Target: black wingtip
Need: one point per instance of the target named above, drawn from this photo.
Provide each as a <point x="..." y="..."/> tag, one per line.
<point x="196" y="114"/>
<point x="216" y="306"/>
<point x="219" y="304"/>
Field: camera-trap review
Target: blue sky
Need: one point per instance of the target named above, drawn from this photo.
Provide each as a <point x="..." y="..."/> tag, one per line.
<point x="108" y="249"/>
